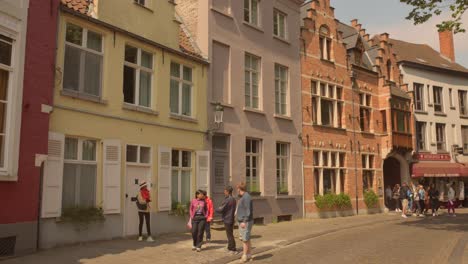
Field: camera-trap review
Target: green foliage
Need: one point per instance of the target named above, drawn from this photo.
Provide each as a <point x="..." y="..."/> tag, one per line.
<point x="283" y="189"/>
<point x="179" y="209"/>
<point x="423" y="10"/>
<point x="331" y="201"/>
<point x="81" y="216"/>
<point x="254" y="189"/>
<point x="370" y="198"/>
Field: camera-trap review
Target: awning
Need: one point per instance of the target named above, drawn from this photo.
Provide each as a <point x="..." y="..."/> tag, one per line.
<point x="439" y="169"/>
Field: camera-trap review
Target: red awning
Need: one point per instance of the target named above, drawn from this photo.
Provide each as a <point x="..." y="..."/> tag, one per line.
<point x="435" y="169"/>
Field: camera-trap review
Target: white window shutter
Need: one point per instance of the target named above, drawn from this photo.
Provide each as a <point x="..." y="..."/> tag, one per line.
<point x="203" y="170"/>
<point x="111" y="176"/>
<point x="164" y="179"/>
<point x="53" y="177"/>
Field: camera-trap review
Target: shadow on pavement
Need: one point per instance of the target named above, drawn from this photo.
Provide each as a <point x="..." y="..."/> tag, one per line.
<point x="441" y="222"/>
<point x="262" y="257"/>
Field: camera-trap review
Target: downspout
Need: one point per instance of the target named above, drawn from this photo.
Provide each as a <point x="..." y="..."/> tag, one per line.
<point x="303" y="190"/>
<point x="39" y="207"/>
<point x="354" y="143"/>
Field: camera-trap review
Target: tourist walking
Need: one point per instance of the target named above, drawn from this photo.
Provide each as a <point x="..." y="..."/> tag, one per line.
<point x="404" y="199"/>
<point x="411" y="192"/>
<point x="388" y="196"/>
<point x="396" y="197"/>
<point x="209" y="219"/>
<point x="142" y="200"/>
<point x="227" y="211"/>
<point x="434" y="199"/>
<point x="198" y="216"/>
<point x="422" y="200"/>
<point x="245" y="219"/>
<point x="451" y="200"/>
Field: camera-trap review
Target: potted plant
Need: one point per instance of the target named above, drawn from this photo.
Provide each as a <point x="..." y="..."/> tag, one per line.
<point x="371" y="199"/>
<point x="254" y="190"/>
<point x="81" y="216"/>
<point x="283" y="190"/>
<point x="179" y="209"/>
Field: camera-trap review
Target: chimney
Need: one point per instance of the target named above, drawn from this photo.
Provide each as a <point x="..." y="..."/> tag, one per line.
<point x="446" y="45"/>
<point x="354" y="22"/>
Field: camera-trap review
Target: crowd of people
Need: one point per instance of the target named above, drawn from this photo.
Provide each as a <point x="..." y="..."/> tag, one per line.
<point x="417" y="200"/>
<point x="201" y="213"/>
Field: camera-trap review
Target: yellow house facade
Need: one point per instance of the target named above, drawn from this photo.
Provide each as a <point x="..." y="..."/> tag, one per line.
<point x="129" y="106"/>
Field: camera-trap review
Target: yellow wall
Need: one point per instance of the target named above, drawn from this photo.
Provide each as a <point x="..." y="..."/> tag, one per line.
<point x="110" y="121"/>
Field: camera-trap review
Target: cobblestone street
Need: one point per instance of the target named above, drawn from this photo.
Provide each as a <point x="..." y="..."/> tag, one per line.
<point x="384" y="238"/>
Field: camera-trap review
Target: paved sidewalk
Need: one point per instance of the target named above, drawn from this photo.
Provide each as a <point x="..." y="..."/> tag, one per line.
<point x="176" y="248"/>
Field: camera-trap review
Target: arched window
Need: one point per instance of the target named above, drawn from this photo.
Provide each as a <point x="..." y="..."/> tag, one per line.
<point x="325" y="43"/>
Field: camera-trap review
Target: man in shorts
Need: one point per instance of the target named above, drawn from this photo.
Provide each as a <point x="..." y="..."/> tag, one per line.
<point x="245" y="219"/>
<point x="404" y="199"/>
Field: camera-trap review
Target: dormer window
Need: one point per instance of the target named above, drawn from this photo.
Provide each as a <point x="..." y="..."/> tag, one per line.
<point x="389" y="70"/>
<point x="325" y="43"/>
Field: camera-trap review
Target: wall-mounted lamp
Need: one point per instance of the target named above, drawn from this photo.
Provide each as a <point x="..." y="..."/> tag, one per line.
<point x="218" y="115"/>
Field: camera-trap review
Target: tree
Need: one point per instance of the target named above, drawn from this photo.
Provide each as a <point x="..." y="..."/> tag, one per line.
<point x="423" y="10"/>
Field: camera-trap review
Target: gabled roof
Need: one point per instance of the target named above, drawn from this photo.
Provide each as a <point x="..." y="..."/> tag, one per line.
<point x="424" y="55"/>
<point x="186" y="44"/>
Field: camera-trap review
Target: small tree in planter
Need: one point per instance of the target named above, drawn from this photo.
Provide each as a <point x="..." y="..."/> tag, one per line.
<point x="254" y="190"/>
<point x="81" y="217"/>
<point x="179" y="209"/>
<point x="333" y="201"/>
<point x="371" y="199"/>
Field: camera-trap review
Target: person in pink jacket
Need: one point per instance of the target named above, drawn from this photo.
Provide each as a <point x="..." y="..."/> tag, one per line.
<point x="209" y="204"/>
<point x="198" y="216"/>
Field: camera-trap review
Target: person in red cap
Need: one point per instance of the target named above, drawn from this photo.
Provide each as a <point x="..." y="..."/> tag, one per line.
<point x="143" y="200"/>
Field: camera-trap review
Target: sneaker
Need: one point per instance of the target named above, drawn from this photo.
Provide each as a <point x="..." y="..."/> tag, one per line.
<point x="433" y="214"/>
<point x="149" y="239"/>
<point x="404" y="216"/>
<point x="198" y="249"/>
<point x="233" y="252"/>
<point x="140" y="238"/>
<point x="454" y="215"/>
<point x="194" y="248"/>
<point x="421" y="215"/>
<point x="244" y="259"/>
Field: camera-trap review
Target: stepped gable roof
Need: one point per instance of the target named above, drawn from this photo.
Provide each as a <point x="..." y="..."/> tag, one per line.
<point x="424" y="55"/>
<point x="186" y="44"/>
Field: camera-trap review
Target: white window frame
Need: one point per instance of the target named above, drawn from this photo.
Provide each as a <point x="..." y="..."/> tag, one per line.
<point x="337" y="103"/>
<point x="464" y="139"/>
<point x="419" y="96"/>
<point x="438" y="98"/>
<point x="326" y="43"/>
<point x="463" y="104"/>
<point x="82" y="48"/>
<point x="365" y="101"/>
<point x="451" y="97"/>
<point x="368" y="167"/>
<point x="441" y="137"/>
<point x="283" y="180"/>
<point x="338" y="169"/>
<point x="138" y="161"/>
<point x="139" y="68"/>
<point x="252" y="16"/>
<point x="79" y="161"/>
<point x="144" y="3"/>
<point x="250" y="156"/>
<point x="276" y="21"/>
<point x="180" y="80"/>
<point x="9" y="105"/>
<point x="281" y="93"/>
<point x="249" y="97"/>
<point x="180" y="169"/>
<point x="423" y="139"/>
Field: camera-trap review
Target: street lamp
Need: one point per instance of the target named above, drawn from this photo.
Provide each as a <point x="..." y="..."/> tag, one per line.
<point x="218" y="115"/>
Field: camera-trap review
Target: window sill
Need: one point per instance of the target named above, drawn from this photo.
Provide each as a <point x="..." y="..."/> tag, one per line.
<point x="440" y="114"/>
<point x="255" y="111"/>
<point x="258" y="197"/>
<point x="285" y="197"/>
<point x="145" y="7"/>
<point x="442" y="152"/>
<point x="140" y="109"/>
<point x="282" y="39"/>
<point x="330" y="127"/>
<point x="430" y="105"/>
<point x="183" y="118"/>
<point x="4" y="177"/>
<point x="369" y="133"/>
<point x="453" y="108"/>
<point x="328" y="61"/>
<point x="253" y="26"/>
<point x="288" y="118"/>
<point x="227" y="105"/>
<point x="421" y="112"/>
<point x="221" y="12"/>
<point x="172" y="2"/>
<point x="464" y="116"/>
<point x="77" y="95"/>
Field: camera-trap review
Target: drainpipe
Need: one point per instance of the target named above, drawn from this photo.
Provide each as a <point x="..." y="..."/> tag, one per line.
<point x="39" y="207"/>
<point x="303" y="191"/>
<point x="354" y="143"/>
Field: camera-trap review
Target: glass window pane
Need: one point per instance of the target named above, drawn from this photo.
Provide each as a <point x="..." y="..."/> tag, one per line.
<point x="87" y="183"/>
<point x="74" y="34"/>
<point x="187" y="74"/>
<point x="246" y="10"/>
<point x="131" y="54"/>
<point x="186" y="159"/>
<point x="69" y="185"/>
<point x="92" y="79"/>
<point x="132" y="153"/>
<point x="71" y="148"/>
<point x="129" y="85"/>
<point x="146" y="59"/>
<point x="94" y="41"/>
<point x="175" y="186"/>
<point x="145" y="155"/>
<point x="5" y="52"/>
<point x="185" y="187"/>
<point x="4" y="77"/>
<point x="71" y="72"/>
<point x="174" y="97"/>
<point x="254" y="11"/>
<point x="175" y="158"/>
<point x="89" y="150"/>
<point x="186" y="99"/>
<point x="175" y="69"/>
<point x="145" y="88"/>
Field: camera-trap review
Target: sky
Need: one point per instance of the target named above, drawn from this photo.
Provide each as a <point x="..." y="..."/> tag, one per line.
<point x="379" y="16"/>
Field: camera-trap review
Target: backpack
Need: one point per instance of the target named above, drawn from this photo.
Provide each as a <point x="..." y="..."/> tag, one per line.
<point x="141" y="206"/>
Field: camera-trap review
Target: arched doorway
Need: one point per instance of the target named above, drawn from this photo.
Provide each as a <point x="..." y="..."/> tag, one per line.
<point x="392" y="172"/>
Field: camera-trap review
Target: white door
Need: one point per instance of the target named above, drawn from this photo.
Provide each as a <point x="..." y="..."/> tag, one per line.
<point x="135" y="175"/>
<point x="219" y="168"/>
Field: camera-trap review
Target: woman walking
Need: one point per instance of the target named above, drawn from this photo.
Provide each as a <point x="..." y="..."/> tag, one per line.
<point x="422" y="200"/>
<point x="434" y="199"/>
<point x="396" y="197"/>
<point x="451" y="200"/>
<point x="198" y="216"/>
<point x="143" y="200"/>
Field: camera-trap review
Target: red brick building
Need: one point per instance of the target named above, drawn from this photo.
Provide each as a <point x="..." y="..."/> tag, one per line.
<point x="351" y="100"/>
<point x="29" y="41"/>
